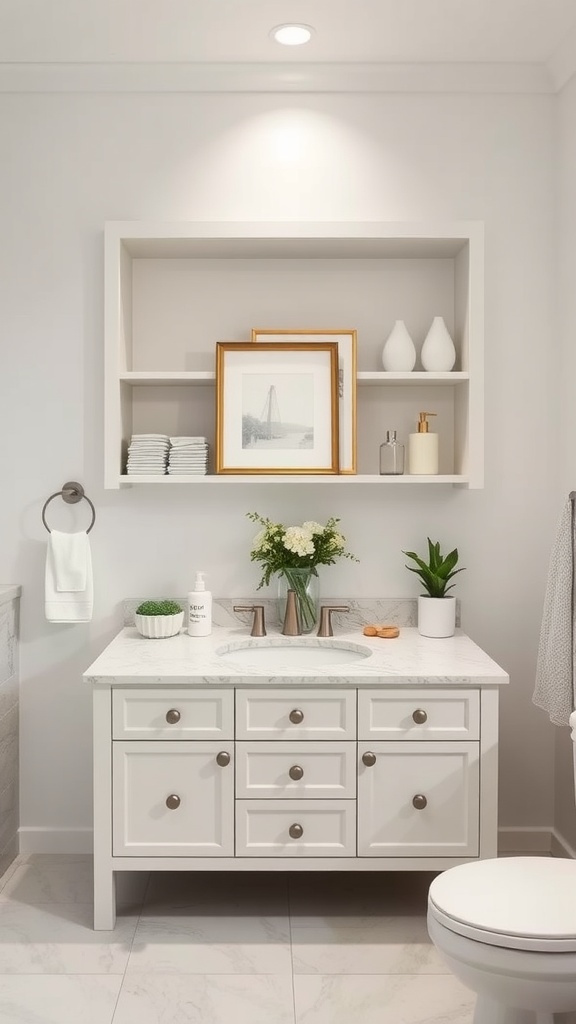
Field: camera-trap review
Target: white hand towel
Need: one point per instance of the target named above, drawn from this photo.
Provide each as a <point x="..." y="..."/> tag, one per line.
<point x="554" y="690"/>
<point x="68" y="579"/>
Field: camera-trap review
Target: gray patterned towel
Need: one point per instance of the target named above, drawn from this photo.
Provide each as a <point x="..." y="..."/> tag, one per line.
<point x="554" y="691"/>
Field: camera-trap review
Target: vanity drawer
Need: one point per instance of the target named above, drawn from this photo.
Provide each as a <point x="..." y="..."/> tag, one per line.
<point x="173" y="714"/>
<point x="267" y="770"/>
<point x="296" y="714"/>
<point x="296" y="828"/>
<point x="419" y="714"/>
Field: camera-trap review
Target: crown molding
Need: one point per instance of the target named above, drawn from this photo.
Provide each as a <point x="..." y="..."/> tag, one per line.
<point x="279" y="77"/>
<point x="562" y="64"/>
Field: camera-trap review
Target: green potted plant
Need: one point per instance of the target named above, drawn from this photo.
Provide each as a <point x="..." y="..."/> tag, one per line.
<point x="158" y="619"/>
<point x="436" y="608"/>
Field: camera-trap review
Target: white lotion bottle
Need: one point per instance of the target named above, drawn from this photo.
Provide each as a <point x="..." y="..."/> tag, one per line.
<point x="199" y="608"/>
<point x="423" y="449"/>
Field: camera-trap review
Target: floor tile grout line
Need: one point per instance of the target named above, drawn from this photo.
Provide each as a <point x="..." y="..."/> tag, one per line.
<point x="292" y="977"/>
<point x="130" y="950"/>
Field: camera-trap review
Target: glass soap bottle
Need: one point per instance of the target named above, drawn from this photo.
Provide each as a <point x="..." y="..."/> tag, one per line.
<point x="391" y="456"/>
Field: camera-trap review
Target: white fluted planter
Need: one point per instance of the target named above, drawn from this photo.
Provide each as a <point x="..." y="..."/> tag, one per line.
<point x="158" y="627"/>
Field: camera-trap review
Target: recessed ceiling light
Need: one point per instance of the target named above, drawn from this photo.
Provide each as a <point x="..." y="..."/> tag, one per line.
<point x="292" y="35"/>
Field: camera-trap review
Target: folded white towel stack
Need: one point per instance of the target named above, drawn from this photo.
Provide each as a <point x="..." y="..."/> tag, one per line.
<point x="188" y="456"/>
<point x="69" y="588"/>
<point x="147" y="455"/>
<point x="554" y="691"/>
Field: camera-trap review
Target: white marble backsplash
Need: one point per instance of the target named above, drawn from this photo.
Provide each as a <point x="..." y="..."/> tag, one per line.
<point x="390" y="611"/>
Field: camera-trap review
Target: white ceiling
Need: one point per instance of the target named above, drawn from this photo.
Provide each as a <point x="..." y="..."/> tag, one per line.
<point x="411" y="31"/>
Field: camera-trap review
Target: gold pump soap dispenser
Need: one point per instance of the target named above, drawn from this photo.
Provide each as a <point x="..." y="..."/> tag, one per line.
<point x="423" y="449"/>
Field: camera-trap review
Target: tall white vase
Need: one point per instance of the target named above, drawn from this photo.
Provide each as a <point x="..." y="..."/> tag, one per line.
<point x="399" y="353"/>
<point x="438" y="352"/>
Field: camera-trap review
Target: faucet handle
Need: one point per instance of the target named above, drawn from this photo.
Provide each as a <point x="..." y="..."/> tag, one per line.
<point x="325" y="627"/>
<point x="258" y="624"/>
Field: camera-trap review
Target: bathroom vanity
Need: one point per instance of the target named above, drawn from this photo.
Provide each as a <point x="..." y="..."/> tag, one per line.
<point x="224" y="752"/>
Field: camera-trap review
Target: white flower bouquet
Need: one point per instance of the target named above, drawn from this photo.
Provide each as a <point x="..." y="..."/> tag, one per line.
<point x="294" y="552"/>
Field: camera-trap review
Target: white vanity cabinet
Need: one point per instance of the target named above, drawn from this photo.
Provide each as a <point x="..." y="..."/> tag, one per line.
<point x="200" y="769"/>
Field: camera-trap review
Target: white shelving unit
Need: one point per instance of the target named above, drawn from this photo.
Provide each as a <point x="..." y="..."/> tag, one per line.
<point x="174" y="290"/>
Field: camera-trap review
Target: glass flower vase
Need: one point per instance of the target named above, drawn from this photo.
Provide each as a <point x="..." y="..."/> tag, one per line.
<point x="306" y="587"/>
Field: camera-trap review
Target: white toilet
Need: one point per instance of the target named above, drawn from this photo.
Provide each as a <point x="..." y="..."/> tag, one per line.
<point x="507" y="929"/>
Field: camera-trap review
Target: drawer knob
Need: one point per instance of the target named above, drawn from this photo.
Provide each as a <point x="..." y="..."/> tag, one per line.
<point x="172" y="801"/>
<point x="419" y="801"/>
<point x="223" y="758"/>
<point x="369" y="759"/>
<point x="295" y="831"/>
<point x="172" y="716"/>
<point x="420" y="716"/>
<point x="296" y="772"/>
<point x="296" y="716"/>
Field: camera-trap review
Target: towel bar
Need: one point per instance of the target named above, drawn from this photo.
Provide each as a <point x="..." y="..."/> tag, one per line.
<point x="71" y="493"/>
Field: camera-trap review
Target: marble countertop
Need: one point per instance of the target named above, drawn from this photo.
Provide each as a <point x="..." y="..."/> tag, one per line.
<point x="410" y="659"/>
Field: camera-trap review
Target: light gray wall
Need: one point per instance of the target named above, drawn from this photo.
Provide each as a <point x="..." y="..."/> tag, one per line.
<point x="565" y="809"/>
<point x="79" y="160"/>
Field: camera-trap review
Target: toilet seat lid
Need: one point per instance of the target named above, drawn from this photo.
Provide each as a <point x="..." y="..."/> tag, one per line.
<point x="515" y="902"/>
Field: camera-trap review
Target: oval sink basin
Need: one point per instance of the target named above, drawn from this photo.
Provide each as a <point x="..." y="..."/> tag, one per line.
<point x="278" y="655"/>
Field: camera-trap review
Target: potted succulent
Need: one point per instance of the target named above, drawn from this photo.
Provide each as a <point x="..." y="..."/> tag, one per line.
<point x="159" y="619"/>
<point x="436" y="608"/>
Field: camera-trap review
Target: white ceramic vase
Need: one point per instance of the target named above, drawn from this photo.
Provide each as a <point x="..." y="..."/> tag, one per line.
<point x="436" y="616"/>
<point x="399" y="353"/>
<point x="438" y="352"/>
<point x="158" y="627"/>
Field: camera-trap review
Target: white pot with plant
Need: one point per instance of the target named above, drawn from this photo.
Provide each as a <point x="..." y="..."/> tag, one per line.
<point x="157" y="620"/>
<point x="436" y="608"/>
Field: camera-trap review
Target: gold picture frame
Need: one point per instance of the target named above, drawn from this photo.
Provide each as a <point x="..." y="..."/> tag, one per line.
<point x="277" y="407"/>
<point x="347" y="341"/>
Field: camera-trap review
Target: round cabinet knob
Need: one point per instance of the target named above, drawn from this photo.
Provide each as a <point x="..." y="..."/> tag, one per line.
<point x="295" y="831"/>
<point x="296" y="772"/>
<point x="419" y="716"/>
<point x="223" y="758"/>
<point x="369" y="759"/>
<point x="172" y="801"/>
<point x="419" y="801"/>
<point x="296" y="716"/>
<point x="172" y="716"/>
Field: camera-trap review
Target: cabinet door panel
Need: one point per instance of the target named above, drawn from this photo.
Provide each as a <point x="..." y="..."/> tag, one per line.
<point x="418" y="800"/>
<point x="172" y="799"/>
<point x="423" y="714"/>
<point x="296" y="770"/>
<point x="173" y="714"/>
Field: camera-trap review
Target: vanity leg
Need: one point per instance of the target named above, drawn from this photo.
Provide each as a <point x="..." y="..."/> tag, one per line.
<point x="104" y="899"/>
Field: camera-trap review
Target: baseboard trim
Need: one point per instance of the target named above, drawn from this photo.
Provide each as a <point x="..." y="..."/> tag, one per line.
<point x="540" y="841"/>
<point x="55" y="840"/>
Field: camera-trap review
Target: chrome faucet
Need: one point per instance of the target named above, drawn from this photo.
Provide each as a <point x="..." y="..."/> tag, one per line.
<point x="325" y="627"/>
<point x="258" y="624"/>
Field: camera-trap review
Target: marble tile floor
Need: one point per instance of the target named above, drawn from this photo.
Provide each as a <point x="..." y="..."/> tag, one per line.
<point x="221" y="948"/>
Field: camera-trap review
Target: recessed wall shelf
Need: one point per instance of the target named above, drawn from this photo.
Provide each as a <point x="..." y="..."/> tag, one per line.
<point x="174" y="290"/>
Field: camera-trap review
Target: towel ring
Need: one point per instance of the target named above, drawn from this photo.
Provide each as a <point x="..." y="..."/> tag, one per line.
<point x="71" y="493"/>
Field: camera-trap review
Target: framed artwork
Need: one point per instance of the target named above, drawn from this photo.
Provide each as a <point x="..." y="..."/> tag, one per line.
<point x="277" y="407"/>
<point x="347" y="342"/>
